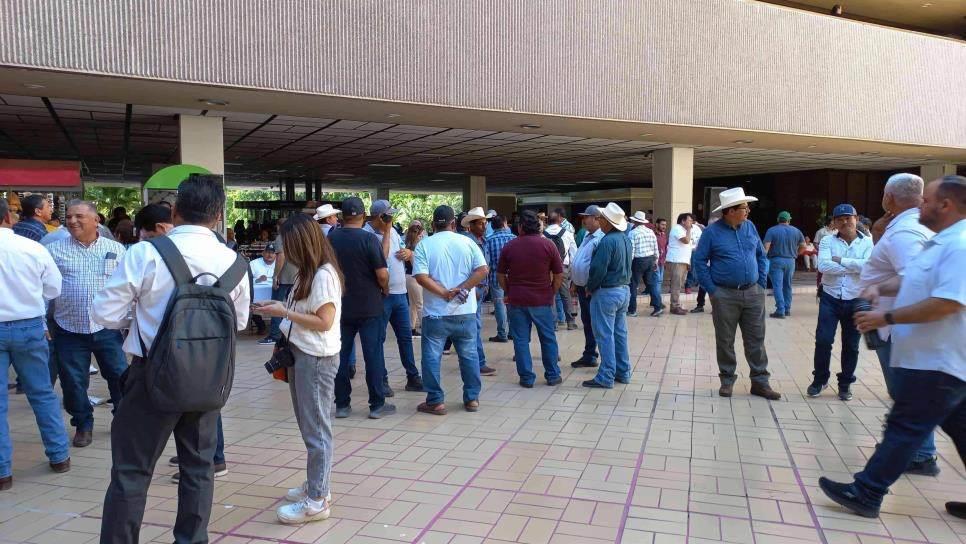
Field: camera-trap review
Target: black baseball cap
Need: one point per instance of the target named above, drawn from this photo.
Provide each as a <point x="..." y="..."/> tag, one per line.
<point x="353" y="207"/>
<point x="443" y="215"/>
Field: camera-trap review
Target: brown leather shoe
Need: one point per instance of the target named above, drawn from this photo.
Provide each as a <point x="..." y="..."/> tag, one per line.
<point x="765" y="391"/>
<point x="6" y="483"/>
<point x="472" y="405"/>
<point x="679" y="311"/>
<point x="438" y="409"/>
<point x="61" y="467"/>
<point x="82" y="439"/>
<point x="726" y="389"/>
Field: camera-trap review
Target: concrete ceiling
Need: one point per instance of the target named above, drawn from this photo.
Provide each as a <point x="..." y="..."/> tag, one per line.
<point x="944" y="17"/>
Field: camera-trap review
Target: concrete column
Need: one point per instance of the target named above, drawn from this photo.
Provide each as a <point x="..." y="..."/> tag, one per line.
<point x="673" y="179"/>
<point x="290" y="189"/>
<point x="201" y="142"/>
<point x="318" y="190"/>
<point x="381" y="193"/>
<point x="308" y="190"/>
<point x="474" y="193"/>
<point x="936" y="170"/>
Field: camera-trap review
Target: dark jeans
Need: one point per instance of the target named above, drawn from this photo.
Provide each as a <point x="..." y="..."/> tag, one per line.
<point x="590" y="344"/>
<point x="139" y="435"/>
<point x="924" y="399"/>
<point x="642" y="270"/>
<point x="280" y="294"/>
<point x="733" y="308"/>
<point x="701" y="294"/>
<point x="540" y="317"/>
<point x="368" y="329"/>
<point x="884" y="353"/>
<point x="74" y="358"/>
<point x="396" y="313"/>
<point x="831" y="313"/>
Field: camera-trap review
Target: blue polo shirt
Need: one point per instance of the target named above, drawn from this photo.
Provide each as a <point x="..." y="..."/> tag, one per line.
<point x="736" y="257"/>
<point x="785" y="240"/>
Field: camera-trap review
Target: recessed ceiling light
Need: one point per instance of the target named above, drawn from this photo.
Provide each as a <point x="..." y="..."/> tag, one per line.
<point x="927" y="156"/>
<point x="744" y="141"/>
<point x="437" y="180"/>
<point x="393" y="115"/>
<point x="813" y="146"/>
<point x="34" y="86"/>
<point x="927" y="4"/>
<point x="529" y="125"/>
<point x="213" y="101"/>
<point x="646" y="134"/>
<point x="586" y="182"/>
<point x="383" y="165"/>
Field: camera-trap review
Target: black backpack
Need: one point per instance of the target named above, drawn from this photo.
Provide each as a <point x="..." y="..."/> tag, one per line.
<point x="191" y="364"/>
<point x="557" y="241"/>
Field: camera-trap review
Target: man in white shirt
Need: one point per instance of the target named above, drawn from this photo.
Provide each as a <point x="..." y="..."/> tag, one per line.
<point x="29" y="277"/>
<point x="561" y="237"/>
<point x="140" y="430"/>
<point x="263" y="274"/>
<point x="678" y="262"/>
<point x="448" y="266"/>
<point x="840" y="260"/>
<point x="929" y="354"/>
<point x="579" y="273"/>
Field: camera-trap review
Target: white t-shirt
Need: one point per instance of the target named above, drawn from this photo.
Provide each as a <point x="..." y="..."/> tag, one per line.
<point x="678" y="252"/>
<point x="260" y="268"/>
<point x="325" y="290"/>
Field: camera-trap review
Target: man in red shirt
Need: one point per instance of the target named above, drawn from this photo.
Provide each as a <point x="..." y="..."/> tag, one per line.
<point x="530" y="273"/>
<point x="660" y="231"/>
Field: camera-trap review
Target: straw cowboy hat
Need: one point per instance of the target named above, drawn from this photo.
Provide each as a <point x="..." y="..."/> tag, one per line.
<point x="733" y="197"/>
<point x="638" y="217"/>
<point x="614" y="215"/>
<point x="324" y="211"/>
<point x="473" y="215"/>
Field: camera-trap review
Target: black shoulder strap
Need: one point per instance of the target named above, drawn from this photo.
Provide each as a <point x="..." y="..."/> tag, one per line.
<point x="234" y="274"/>
<point x="172" y="259"/>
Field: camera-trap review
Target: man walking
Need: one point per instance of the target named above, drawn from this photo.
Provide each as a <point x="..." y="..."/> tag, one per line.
<point x="563" y="240"/>
<point x="366" y="282"/>
<point x="929" y="355"/>
<point x="579" y="274"/>
<point x="840" y="260"/>
<point x="475" y="224"/>
<point x="644" y="265"/>
<point x="782" y="243"/>
<point x="86" y="260"/>
<point x="448" y="266"/>
<point x="607" y="286"/>
<point x="30" y="277"/>
<point x="396" y="303"/>
<point x="492" y="248"/>
<point x="530" y="272"/>
<point x="904" y="237"/>
<point x="730" y="264"/>
<point x="679" y="259"/>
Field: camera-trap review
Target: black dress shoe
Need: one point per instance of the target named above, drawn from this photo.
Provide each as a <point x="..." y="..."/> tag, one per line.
<point x="593" y="384"/>
<point x="583" y="363"/>
<point x="526" y="385"/>
<point x="555" y="381"/>
<point x="698" y="310"/>
<point x="499" y="339"/>
<point x="777" y="315"/>
<point x="957" y="509"/>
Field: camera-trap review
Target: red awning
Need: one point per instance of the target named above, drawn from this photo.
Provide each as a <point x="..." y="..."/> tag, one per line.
<point x="27" y="174"/>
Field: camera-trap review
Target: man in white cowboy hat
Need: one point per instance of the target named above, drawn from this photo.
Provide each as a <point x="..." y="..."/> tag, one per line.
<point x="607" y="285"/>
<point x="644" y="265"/>
<point x="490" y="214"/>
<point x="475" y="224"/>
<point x="731" y="265"/>
<point x="327" y="216"/>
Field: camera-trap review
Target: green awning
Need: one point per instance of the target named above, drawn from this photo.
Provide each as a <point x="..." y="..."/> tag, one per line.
<point x="170" y="177"/>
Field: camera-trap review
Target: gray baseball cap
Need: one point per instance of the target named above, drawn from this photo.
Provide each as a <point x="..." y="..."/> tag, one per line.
<point x="380" y="207"/>
<point x="591" y="210"/>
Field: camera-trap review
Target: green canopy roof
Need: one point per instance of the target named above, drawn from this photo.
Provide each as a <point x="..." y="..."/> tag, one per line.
<point x="170" y="177"/>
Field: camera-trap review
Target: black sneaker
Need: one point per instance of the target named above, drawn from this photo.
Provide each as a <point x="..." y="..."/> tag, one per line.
<point x="526" y="385"/>
<point x="698" y="310"/>
<point x="927" y="467"/>
<point x="387" y="391"/>
<point x="583" y="363"/>
<point x="414" y="383"/>
<point x="555" y="381"/>
<point x="845" y="393"/>
<point x="657" y="312"/>
<point x="594" y="384"/>
<point x="499" y="339"/>
<point x="777" y="315"/>
<point x="267" y="341"/>
<point x="815" y="389"/>
<point x="847" y="496"/>
<point x="957" y="509"/>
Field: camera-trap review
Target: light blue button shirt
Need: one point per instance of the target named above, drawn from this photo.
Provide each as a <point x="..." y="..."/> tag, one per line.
<point x="937" y="272"/>
<point x="842" y="280"/>
<point x="397" y="268"/>
<point x="450" y="259"/>
<point x="580" y="267"/>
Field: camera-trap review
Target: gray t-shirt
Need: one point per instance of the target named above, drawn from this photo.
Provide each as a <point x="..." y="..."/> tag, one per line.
<point x="289" y="272"/>
<point x="397" y="268"/>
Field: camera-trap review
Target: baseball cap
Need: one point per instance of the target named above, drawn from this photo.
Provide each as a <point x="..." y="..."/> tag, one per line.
<point x="270" y="247"/>
<point x="784" y="216"/>
<point x="352" y="207"/>
<point x="844" y="209"/>
<point x="591" y="210"/>
<point x="380" y="207"/>
<point x="490" y="214"/>
<point x="443" y="215"/>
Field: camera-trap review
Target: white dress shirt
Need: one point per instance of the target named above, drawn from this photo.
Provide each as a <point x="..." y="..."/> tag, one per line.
<point x="904" y="238"/>
<point x="841" y="280"/>
<point x="143" y="278"/>
<point x="28" y="275"/>
<point x="580" y="270"/>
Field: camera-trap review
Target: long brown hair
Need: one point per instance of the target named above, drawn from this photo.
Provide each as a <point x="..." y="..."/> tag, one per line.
<point x="305" y="247"/>
<point x="413" y="234"/>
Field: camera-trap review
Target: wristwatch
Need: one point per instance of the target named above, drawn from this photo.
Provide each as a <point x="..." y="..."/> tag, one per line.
<point x="889" y="319"/>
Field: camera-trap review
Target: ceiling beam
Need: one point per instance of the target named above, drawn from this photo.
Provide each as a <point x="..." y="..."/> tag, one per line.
<point x="128" y="110"/>
<point x="295" y="141"/>
<point x="66" y="133"/>
<point x="252" y="131"/>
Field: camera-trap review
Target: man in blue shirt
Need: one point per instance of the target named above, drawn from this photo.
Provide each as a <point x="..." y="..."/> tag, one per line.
<point x="782" y="243"/>
<point x="730" y="264"/>
<point x="36" y="212"/>
<point x="492" y="247"/>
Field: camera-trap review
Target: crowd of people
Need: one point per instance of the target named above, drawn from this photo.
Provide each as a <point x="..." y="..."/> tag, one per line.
<point x="346" y="272"/>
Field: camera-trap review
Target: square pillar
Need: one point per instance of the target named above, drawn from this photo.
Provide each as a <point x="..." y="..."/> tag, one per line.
<point x="673" y="179"/>
<point x="381" y="193"/>
<point x="474" y="193"/>
<point x="936" y="170"/>
<point x="201" y="142"/>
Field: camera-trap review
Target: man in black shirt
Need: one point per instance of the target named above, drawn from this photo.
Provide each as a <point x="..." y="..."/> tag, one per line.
<point x="366" y="283"/>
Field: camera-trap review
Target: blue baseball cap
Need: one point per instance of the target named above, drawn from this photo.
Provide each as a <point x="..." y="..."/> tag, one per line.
<point x="844" y="209"/>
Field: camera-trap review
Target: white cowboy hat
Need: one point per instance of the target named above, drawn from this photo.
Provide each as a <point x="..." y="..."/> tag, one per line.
<point x="324" y="211"/>
<point x="490" y="214"/>
<point x="638" y="217"/>
<point x="733" y="197"/>
<point x="473" y="215"/>
<point x="614" y="215"/>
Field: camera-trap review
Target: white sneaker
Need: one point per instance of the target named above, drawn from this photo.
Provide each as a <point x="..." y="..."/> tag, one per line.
<point x="297" y="494"/>
<point x="92" y="370"/>
<point x="303" y="511"/>
<point x="96" y="401"/>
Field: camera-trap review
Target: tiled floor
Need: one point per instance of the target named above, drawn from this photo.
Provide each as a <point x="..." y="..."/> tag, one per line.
<point x="662" y="460"/>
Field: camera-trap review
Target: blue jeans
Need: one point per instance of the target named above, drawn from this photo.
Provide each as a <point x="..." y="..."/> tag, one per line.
<point x="925" y="399"/>
<point x="480" y="354"/>
<point x="280" y="293"/>
<point x="884" y="352"/>
<point x="23" y="345"/>
<point x="462" y="330"/>
<point x="660" y="276"/>
<point x="642" y="269"/>
<point x="559" y="313"/>
<point x="541" y="317"/>
<point x="396" y="313"/>
<point x="499" y="307"/>
<point x="590" y="343"/>
<point x="608" y="315"/>
<point x="368" y="329"/>
<point x="74" y="357"/>
<point x="220" y="447"/>
<point x="780" y="272"/>
<point x="833" y="312"/>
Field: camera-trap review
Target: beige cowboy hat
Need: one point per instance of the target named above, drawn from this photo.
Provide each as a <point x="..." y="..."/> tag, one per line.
<point x="614" y="215"/>
<point x="324" y="211"/>
<point x="473" y="215"/>
<point x="639" y="217"/>
<point x="733" y="197"/>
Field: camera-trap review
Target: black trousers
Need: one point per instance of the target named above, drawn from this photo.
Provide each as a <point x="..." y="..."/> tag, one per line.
<point x="590" y="343"/>
<point x="138" y="437"/>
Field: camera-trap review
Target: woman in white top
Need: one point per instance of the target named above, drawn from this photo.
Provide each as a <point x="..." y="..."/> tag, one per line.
<point x="311" y="324"/>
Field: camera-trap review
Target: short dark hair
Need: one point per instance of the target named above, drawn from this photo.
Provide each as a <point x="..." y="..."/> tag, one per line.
<point x="683" y="216"/>
<point x="529" y="222"/>
<point x="953" y="188"/>
<point x="201" y="199"/>
<point x="499" y="222"/>
<point x="659" y="219"/>
<point x="150" y="215"/>
<point x="30" y="205"/>
<point x="4" y="209"/>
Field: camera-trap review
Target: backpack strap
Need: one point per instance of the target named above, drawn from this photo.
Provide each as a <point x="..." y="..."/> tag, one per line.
<point x="234" y="274"/>
<point x="172" y="259"/>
